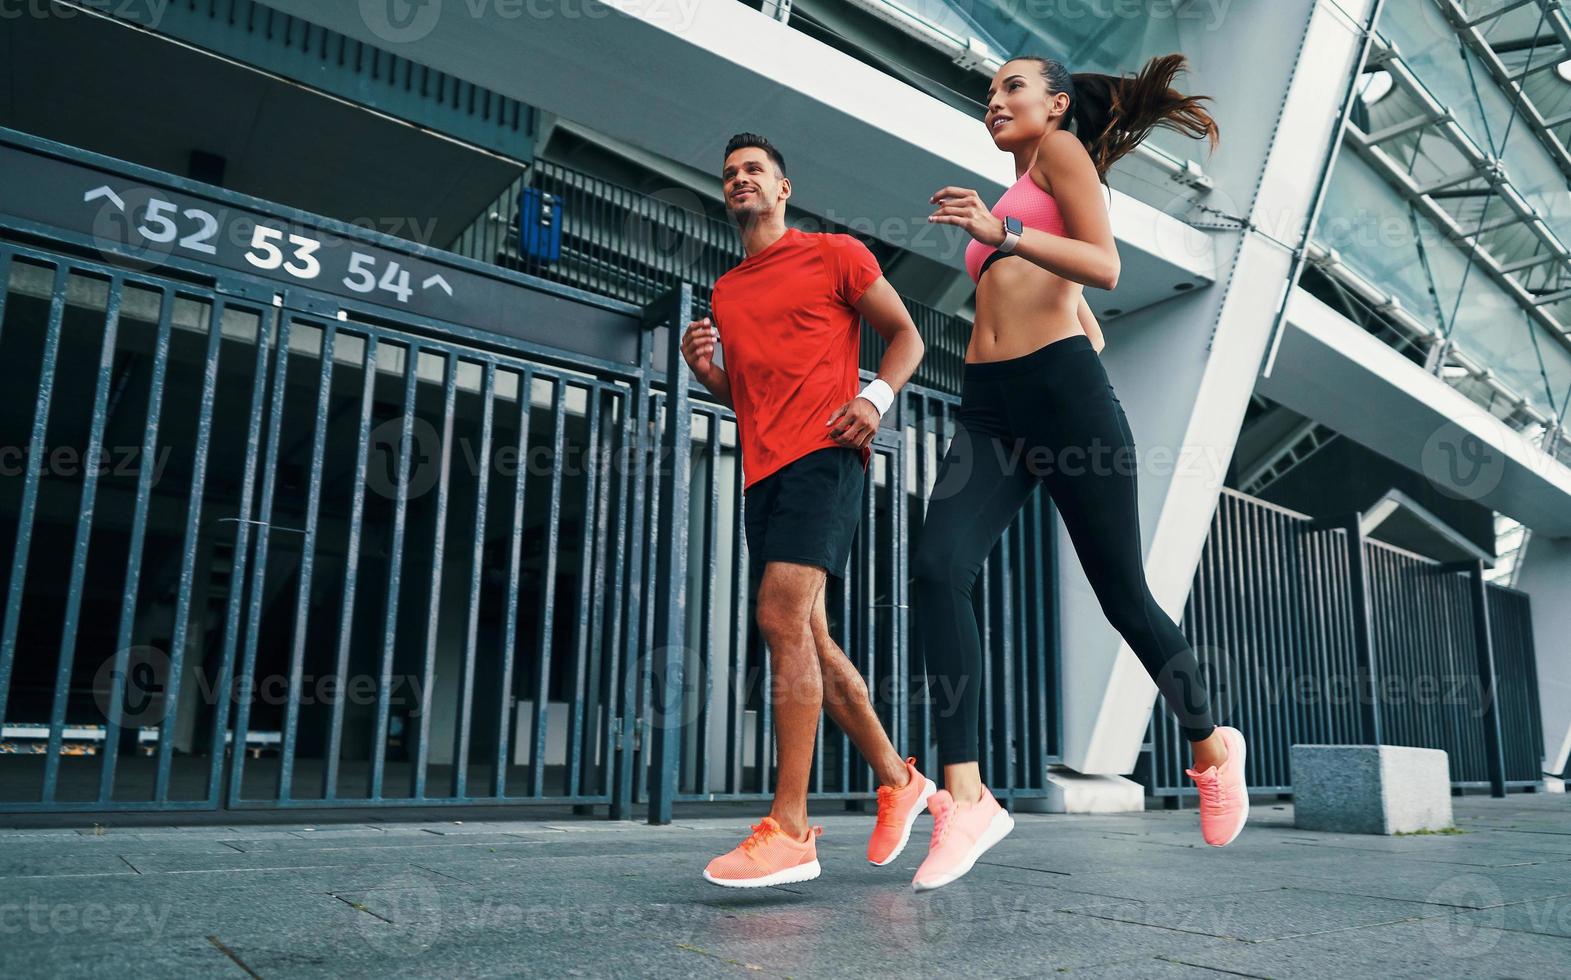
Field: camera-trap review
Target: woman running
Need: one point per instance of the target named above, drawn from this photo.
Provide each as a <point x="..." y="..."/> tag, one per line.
<point x="1036" y="407"/>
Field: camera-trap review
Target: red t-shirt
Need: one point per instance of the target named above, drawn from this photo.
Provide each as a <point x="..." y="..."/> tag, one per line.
<point x="790" y="340"/>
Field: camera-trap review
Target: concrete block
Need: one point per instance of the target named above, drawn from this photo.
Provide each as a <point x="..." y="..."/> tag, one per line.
<point x="1072" y="792"/>
<point x="1370" y="789"/>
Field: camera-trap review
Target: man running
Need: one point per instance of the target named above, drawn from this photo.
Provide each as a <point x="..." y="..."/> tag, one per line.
<point x="787" y="318"/>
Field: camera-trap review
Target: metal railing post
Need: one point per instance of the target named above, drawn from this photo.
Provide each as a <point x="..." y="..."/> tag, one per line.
<point x="669" y="589"/>
<point x="1484" y="650"/>
<point x="1368" y="681"/>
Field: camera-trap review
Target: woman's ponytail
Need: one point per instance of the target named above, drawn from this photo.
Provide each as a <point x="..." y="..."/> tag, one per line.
<point x="1112" y="114"/>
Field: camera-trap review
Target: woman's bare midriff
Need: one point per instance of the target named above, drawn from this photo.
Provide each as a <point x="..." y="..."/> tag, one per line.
<point x="1021" y="307"/>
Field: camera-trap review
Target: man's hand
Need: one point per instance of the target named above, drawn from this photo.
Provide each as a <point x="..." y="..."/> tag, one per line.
<point x="855" y="423"/>
<point x="698" y="347"/>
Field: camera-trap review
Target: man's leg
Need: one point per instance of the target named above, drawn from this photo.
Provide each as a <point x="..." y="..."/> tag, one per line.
<point x="785" y="604"/>
<point x="846" y="700"/>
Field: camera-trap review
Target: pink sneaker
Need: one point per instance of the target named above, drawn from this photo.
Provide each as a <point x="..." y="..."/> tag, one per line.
<point x="1224" y="799"/>
<point x="897" y="813"/>
<point x="768" y="857"/>
<point x="961" y="834"/>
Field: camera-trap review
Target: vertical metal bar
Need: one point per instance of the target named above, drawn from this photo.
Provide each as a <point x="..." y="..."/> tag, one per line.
<point x="985" y="715"/>
<point x="395" y="568"/>
<point x="193" y="527"/>
<point x="547" y="631"/>
<point x="324" y="393"/>
<point x="35" y="450"/>
<point x="605" y="664"/>
<point x="646" y="679"/>
<point x="357" y="489"/>
<point x="900" y="577"/>
<point x="258" y="577"/>
<point x="1038" y="692"/>
<point x="587" y="526"/>
<point x="920" y="747"/>
<point x="84" y="533"/>
<point x="706" y="652"/>
<point x="1006" y="652"/>
<point x="438" y="560"/>
<point x="466" y="685"/>
<point x="1358" y="584"/>
<point x="671" y="572"/>
<point x="266" y="321"/>
<point x="739" y="603"/>
<point x="509" y="652"/>
<point x="636" y="448"/>
<point x="1488" y="681"/>
<point x="133" y="572"/>
<point x="866" y="586"/>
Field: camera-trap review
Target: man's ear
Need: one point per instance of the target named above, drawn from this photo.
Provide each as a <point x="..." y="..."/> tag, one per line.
<point x="785" y="188"/>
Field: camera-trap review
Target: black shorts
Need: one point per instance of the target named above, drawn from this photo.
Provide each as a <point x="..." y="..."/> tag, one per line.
<point x="807" y="511"/>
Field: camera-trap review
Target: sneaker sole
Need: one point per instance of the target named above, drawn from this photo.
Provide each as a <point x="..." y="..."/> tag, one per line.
<point x="916" y="811"/>
<point x="1242" y="754"/>
<point x="802" y="872"/>
<point x="997" y="829"/>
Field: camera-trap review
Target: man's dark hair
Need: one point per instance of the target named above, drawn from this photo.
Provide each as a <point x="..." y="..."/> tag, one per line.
<point x="744" y="140"/>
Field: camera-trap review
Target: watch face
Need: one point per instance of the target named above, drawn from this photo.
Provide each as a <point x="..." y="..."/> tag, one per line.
<point x="1013" y="226"/>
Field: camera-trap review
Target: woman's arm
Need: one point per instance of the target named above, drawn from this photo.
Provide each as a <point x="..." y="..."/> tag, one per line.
<point x="1086" y="253"/>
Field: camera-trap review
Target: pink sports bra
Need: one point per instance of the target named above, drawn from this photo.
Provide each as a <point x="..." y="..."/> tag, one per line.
<point x="1024" y="200"/>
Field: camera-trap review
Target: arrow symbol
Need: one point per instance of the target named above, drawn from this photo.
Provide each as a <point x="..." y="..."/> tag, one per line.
<point x="104" y="191"/>
<point x="437" y="281"/>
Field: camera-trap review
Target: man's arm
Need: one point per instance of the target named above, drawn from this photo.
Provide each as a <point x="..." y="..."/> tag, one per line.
<point x="1089" y="325"/>
<point x="886" y="313"/>
<point x="698" y="349"/>
<point x="856" y="422"/>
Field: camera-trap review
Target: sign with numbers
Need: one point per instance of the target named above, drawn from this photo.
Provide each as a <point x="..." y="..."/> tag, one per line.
<point x="148" y="225"/>
<point x="148" y="221"/>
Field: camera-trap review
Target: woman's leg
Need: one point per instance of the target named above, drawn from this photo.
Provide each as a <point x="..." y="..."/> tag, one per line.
<point x="979" y="489"/>
<point x="1090" y="471"/>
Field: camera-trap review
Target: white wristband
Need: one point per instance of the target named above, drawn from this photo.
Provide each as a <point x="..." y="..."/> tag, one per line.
<point x="880" y="394"/>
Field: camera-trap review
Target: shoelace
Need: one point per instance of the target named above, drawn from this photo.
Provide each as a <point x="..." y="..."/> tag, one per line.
<point x="886" y="807"/>
<point x="941" y="819"/>
<point x="1210" y="788"/>
<point x="761" y="833"/>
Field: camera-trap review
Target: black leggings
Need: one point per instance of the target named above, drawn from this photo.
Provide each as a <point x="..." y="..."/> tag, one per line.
<point x="1049" y="417"/>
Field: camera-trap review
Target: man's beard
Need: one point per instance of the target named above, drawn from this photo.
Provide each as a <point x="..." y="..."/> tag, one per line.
<point x="751" y="212"/>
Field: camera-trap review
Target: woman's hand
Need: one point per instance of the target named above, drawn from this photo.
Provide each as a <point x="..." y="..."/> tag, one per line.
<point x="961" y="206"/>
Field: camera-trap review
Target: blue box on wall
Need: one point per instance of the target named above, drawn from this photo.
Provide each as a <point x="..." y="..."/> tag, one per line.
<point x="540" y="225"/>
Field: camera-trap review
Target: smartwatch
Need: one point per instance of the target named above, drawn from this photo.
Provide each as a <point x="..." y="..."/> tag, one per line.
<point x="1012" y="230"/>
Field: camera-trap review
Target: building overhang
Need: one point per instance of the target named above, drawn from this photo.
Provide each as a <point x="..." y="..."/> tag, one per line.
<point x="863" y="148"/>
<point x="1333" y="371"/>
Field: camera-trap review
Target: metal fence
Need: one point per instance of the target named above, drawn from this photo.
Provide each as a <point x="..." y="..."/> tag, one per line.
<point x="366" y="558"/>
<point x="1311" y="633"/>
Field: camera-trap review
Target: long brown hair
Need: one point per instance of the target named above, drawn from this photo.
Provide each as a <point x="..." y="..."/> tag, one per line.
<point x="1112" y="114"/>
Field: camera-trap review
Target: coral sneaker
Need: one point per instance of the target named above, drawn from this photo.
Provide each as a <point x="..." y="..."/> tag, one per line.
<point x="769" y="856"/>
<point x="897" y="813"/>
<point x="961" y="834"/>
<point x="1224" y="799"/>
